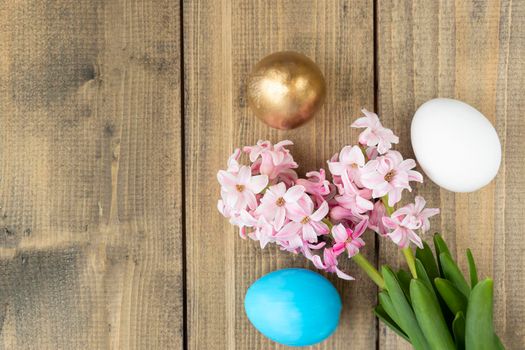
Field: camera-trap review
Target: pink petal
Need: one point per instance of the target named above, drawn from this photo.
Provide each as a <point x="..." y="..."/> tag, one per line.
<point x="352" y="155"/>
<point x="360" y="228"/>
<point x="343" y="275"/>
<point x="397" y="160"/>
<point x="296" y="212"/>
<point x="309" y="233"/>
<point x="294" y="193"/>
<point x="352" y="250"/>
<point x="329" y="257"/>
<point x="244" y="175"/>
<point x="282" y="144"/>
<point x="226" y="179"/>
<point x="389" y="223"/>
<point x="372" y="180"/>
<point x="321" y="212"/>
<point x="250" y="199"/>
<point x="415" y="239"/>
<point x="384" y="165"/>
<point x="339" y="233"/>
<point x="415" y="176"/>
<point x="257" y="183"/>
<point x="381" y="189"/>
<point x="400" y="180"/>
<point x="394" y="196"/>
<point x="278" y="189"/>
<point x="320" y="227"/>
<point x="362" y="122"/>
<point x="316" y="259"/>
<point x="232" y="198"/>
<point x="247" y="219"/>
<point x="290" y="229"/>
<point x="368" y="137"/>
<point x="336" y="168"/>
<point x="280" y="216"/>
<point x="407" y="164"/>
<point x="363" y="204"/>
<point x="339" y="248"/>
<point x="340" y="213"/>
<point x="419" y="204"/>
<point x="317" y="246"/>
<point x="399" y="237"/>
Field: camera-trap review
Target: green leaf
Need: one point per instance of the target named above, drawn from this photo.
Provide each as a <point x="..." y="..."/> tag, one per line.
<point x="440" y="247"/>
<point x="499" y="344"/>
<point x="479" y="333"/>
<point x="429" y="317"/>
<point x="404" y="278"/>
<point x="472" y="269"/>
<point x="458" y="327"/>
<point x="455" y="300"/>
<point x="423" y="277"/>
<point x="453" y="273"/>
<point x="386" y="303"/>
<point x="429" y="262"/>
<point x="385" y="318"/>
<point x="407" y="319"/>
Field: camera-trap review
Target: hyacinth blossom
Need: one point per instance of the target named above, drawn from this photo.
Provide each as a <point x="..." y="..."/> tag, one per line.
<point x="325" y="218"/>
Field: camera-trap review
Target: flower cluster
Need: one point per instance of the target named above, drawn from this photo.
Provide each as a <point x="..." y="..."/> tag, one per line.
<point x="320" y="218"/>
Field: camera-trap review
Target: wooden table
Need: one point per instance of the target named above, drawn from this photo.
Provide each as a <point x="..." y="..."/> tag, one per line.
<point x="116" y="115"/>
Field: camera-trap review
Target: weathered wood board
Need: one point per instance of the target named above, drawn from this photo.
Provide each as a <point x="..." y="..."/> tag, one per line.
<point x="222" y="41"/>
<point x="90" y="179"/>
<point x="472" y="51"/>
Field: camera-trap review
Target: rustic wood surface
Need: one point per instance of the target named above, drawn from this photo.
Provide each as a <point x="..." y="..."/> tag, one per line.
<point x="116" y="115"/>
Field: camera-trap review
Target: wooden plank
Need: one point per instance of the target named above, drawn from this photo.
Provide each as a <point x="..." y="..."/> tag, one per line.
<point x="90" y="175"/>
<point x="473" y="51"/>
<point x="222" y="41"/>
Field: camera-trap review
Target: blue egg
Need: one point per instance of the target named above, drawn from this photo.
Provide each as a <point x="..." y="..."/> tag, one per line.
<point x="294" y="307"/>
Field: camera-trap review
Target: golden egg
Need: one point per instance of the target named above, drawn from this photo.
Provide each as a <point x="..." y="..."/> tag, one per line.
<point x="285" y="89"/>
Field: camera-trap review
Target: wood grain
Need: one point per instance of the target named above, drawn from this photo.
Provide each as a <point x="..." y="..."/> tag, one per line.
<point x="222" y="41"/>
<point x="90" y="175"/>
<point x="472" y="51"/>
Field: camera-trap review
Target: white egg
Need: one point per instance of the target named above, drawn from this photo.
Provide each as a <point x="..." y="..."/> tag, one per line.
<point x="455" y="145"/>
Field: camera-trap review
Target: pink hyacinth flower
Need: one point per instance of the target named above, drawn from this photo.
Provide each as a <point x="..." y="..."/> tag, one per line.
<point x="347" y="239"/>
<point x="424" y="214"/>
<point x="316" y="185"/>
<point x="256" y="150"/>
<point x="239" y="190"/>
<point x="307" y="221"/>
<point x="243" y="220"/>
<point x="350" y="160"/>
<point x="375" y="134"/>
<point x="330" y="263"/>
<point x="275" y="201"/>
<point x="338" y="213"/>
<point x="273" y="160"/>
<point x="415" y="214"/>
<point x="405" y="220"/>
<point x="402" y="235"/>
<point x="376" y="218"/>
<point x="354" y="199"/>
<point x="233" y="161"/>
<point x="265" y="233"/>
<point x="389" y="174"/>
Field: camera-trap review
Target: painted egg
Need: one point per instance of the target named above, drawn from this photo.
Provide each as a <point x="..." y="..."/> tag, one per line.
<point x="294" y="307"/>
<point x="456" y="146"/>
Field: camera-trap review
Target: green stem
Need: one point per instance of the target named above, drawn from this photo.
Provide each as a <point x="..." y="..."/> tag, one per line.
<point x="370" y="270"/>
<point x="389" y="209"/>
<point x="328" y="223"/>
<point x="411" y="261"/>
